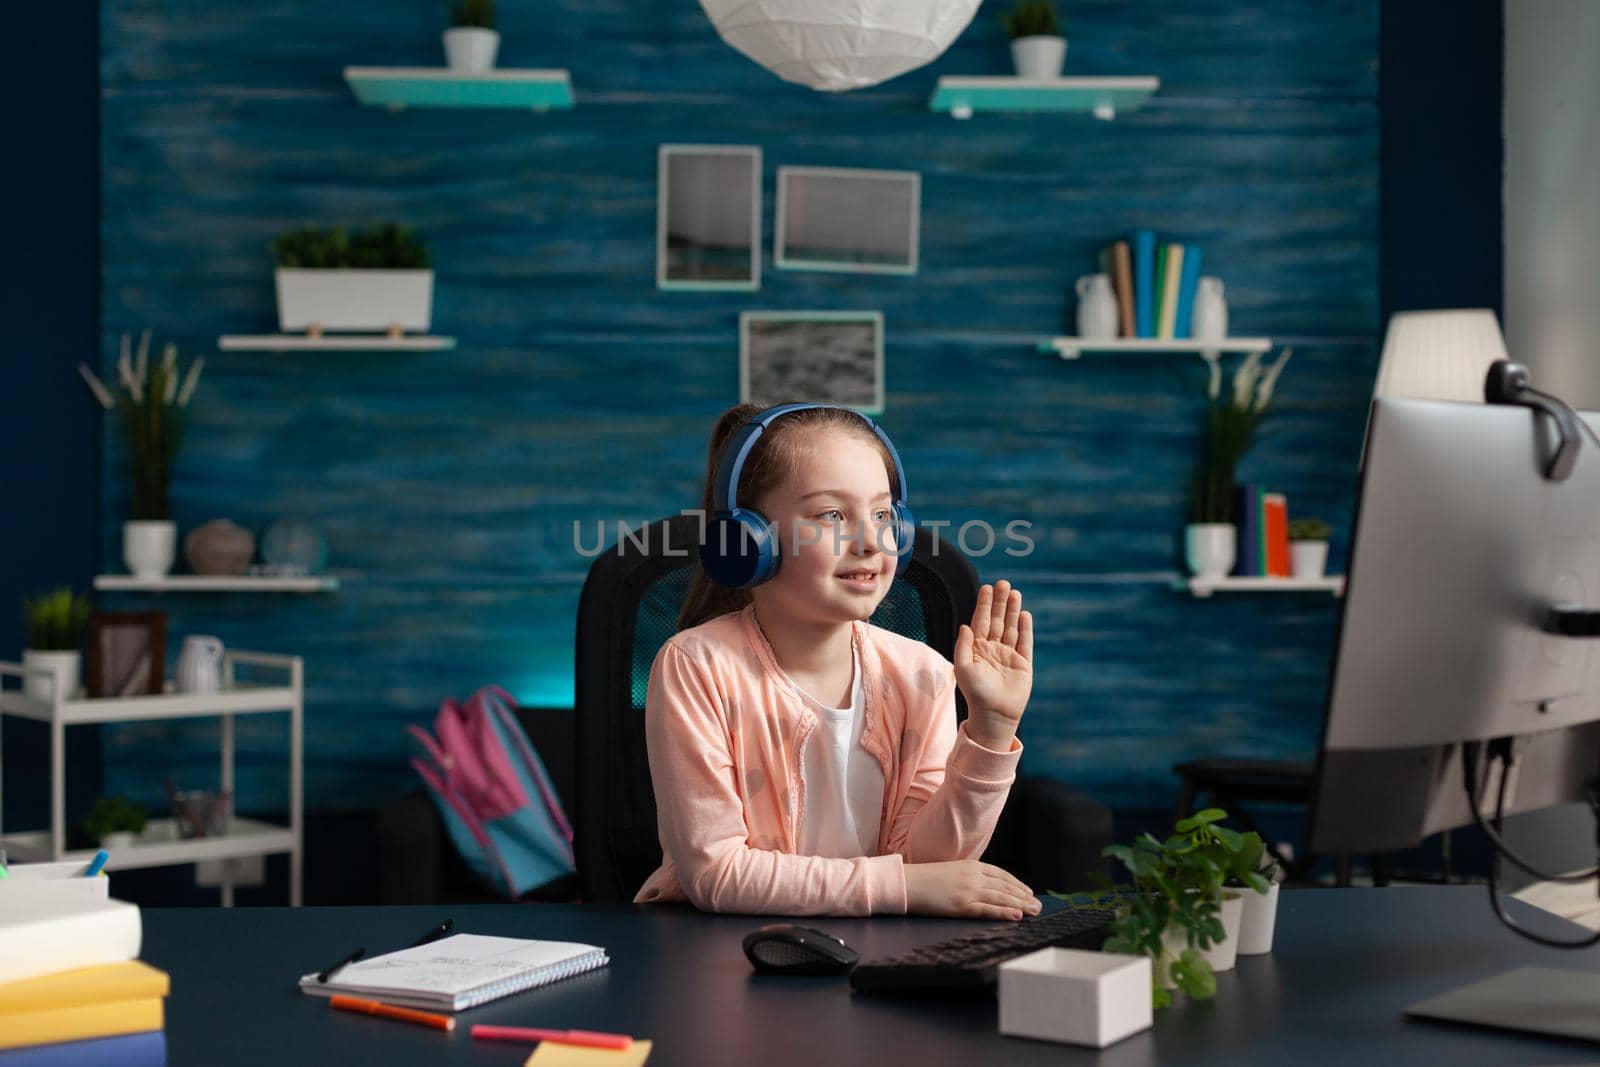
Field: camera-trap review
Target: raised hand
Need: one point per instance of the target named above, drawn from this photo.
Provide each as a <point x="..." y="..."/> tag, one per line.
<point x="994" y="665"/>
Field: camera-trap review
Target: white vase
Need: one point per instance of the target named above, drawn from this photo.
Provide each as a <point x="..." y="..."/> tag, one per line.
<point x="1097" y="307"/>
<point x="1039" y="56"/>
<point x="64" y="668"/>
<point x="1222" y="955"/>
<point x="1210" y="548"/>
<point x="1209" y="319"/>
<point x="1308" y="559"/>
<point x="118" y="839"/>
<point x="471" y="48"/>
<point x="149" y="546"/>
<point x="345" y="299"/>
<point x="200" y="664"/>
<point x="1259" y="919"/>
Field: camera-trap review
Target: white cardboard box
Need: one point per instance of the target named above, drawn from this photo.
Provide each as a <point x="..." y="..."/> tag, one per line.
<point x="1080" y="998"/>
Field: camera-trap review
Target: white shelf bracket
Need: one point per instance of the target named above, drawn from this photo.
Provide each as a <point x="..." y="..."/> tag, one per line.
<point x="1105" y="110"/>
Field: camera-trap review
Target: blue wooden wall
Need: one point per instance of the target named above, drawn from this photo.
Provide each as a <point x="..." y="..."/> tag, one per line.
<point x="448" y="483"/>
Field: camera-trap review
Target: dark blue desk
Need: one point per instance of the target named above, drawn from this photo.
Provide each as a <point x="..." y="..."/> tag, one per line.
<point x="1347" y="961"/>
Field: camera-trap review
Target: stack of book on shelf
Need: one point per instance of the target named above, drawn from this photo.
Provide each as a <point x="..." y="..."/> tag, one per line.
<point x="1263" y="532"/>
<point x="1154" y="283"/>
<point x="72" y="989"/>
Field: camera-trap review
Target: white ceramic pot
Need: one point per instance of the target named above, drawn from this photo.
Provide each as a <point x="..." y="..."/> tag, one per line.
<point x="1308" y="559"/>
<point x="1221" y="955"/>
<point x="118" y="839"/>
<point x="354" y="299"/>
<point x="200" y="664"/>
<point x="1210" y="548"/>
<point x="471" y="48"/>
<point x="1260" y="918"/>
<point x="1097" y="307"/>
<point x="1209" y="319"/>
<point x="149" y="546"/>
<point x="64" y="668"/>
<point x="1039" y="56"/>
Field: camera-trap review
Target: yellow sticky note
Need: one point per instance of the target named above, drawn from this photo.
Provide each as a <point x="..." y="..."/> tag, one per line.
<point x="555" y="1054"/>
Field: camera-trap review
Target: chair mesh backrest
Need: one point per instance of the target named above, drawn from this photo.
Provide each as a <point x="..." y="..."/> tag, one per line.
<point x="628" y="610"/>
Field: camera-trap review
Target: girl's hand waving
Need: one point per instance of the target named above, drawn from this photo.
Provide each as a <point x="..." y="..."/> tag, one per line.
<point x="994" y="665"/>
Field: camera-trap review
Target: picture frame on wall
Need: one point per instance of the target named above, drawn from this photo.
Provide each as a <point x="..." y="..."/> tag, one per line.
<point x="708" y="217"/>
<point x="819" y="357"/>
<point x="844" y="219"/>
<point x="125" y="653"/>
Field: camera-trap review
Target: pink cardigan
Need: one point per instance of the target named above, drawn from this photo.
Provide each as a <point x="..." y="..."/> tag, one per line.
<point x="725" y="728"/>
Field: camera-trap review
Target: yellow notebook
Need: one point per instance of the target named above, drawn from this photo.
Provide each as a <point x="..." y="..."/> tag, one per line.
<point x="23" y="1028"/>
<point x="85" y="985"/>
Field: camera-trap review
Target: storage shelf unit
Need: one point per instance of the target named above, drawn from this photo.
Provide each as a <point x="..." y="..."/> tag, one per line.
<point x="160" y="845"/>
<point x="1204" y="587"/>
<point x="346" y="342"/>
<point x="1073" y="347"/>
<point x="1102" y="97"/>
<point x="402" y="87"/>
<point x="207" y="583"/>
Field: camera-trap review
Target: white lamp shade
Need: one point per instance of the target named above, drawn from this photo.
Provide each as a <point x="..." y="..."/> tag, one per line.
<point x="834" y="45"/>
<point x="1439" y="355"/>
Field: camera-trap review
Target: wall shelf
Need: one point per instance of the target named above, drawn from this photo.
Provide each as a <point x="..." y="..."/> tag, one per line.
<point x="343" y="342"/>
<point x="1073" y="347"/>
<point x="208" y="583"/>
<point x="1102" y="97"/>
<point x="402" y="87"/>
<point x="1204" y="587"/>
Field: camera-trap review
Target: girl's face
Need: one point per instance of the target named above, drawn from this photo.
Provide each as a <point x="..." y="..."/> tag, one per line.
<point x="837" y="556"/>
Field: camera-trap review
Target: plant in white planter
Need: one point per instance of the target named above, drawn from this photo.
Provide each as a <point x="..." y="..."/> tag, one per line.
<point x="374" y="279"/>
<point x="1308" y="547"/>
<point x="472" y="41"/>
<point x="1038" y="50"/>
<point x="1254" y="867"/>
<point x="113" y="822"/>
<point x="1210" y="541"/>
<point x="55" y="623"/>
<point x="152" y="398"/>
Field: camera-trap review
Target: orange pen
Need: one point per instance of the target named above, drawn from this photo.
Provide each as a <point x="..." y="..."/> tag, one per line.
<point x="391" y="1011"/>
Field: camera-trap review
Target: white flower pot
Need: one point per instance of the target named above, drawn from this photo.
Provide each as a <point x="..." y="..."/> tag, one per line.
<point x="118" y="839"/>
<point x="1039" y="56"/>
<point x="1308" y="559"/>
<point x="1210" y="548"/>
<point x="354" y="299"/>
<point x="1222" y="954"/>
<point x="1260" y="918"/>
<point x="149" y="546"/>
<point x="471" y="48"/>
<point x="64" y="668"/>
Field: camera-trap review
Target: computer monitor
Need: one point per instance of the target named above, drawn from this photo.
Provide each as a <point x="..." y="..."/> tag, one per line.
<point x="1462" y="545"/>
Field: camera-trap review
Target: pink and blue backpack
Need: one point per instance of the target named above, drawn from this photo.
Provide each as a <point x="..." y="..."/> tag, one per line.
<point x="494" y="794"/>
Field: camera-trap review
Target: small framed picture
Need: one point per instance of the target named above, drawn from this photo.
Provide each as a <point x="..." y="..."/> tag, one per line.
<point x="126" y="653"/>
<point x="820" y="357"/>
<point x="708" y="217"/>
<point x="838" y="219"/>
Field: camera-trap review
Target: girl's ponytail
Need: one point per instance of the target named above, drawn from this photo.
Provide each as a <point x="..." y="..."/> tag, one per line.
<point x="706" y="599"/>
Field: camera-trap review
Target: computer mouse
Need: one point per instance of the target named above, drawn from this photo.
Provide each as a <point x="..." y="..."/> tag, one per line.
<point x="786" y="948"/>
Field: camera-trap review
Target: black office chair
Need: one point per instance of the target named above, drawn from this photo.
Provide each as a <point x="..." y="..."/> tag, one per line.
<point x="1048" y="835"/>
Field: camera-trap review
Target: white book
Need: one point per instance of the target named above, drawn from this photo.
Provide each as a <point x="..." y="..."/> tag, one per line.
<point x="46" y="934"/>
<point x="459" y="972"/>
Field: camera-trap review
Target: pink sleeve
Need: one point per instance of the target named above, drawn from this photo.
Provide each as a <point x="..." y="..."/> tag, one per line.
<point x="702" y="824"/>
<point x="957" y="790"/>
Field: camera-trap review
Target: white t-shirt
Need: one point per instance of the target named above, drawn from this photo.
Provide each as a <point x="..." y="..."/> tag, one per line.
<point x="843" y="783"/>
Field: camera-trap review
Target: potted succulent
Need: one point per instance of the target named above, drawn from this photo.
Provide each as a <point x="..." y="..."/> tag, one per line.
<point x="114" y="822"/>
<point x="1308" y="547"/>
<point x="373" y="279"/>
<point x="55" y="623"/>
<point x="471" y="41"/>
<point x="152" y="397"/>
<point x="1038" y="50"/>
<point x="1210" y="541"/>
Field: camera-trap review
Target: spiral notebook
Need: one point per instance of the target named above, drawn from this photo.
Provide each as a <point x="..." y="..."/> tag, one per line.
<point x="460" y="971"/>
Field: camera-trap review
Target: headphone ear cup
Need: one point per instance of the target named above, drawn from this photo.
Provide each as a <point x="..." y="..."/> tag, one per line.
<point x="905" y="536"/>
<point x="740" y="549"/>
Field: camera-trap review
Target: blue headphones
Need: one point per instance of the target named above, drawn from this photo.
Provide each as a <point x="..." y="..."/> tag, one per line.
<point x="740" y="546"/>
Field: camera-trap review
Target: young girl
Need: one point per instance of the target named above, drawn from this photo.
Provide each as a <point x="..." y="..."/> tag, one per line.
<point x="805" y="761"/>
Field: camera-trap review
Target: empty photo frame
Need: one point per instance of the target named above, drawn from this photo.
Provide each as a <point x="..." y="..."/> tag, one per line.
<point x="817" y="357"/>
<point x="837" y="219"/>
<point x="708" y="217"/>
<point x="126" y="653"/>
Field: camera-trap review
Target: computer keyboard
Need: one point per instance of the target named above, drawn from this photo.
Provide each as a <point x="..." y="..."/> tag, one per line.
<point x="969" y="964"/>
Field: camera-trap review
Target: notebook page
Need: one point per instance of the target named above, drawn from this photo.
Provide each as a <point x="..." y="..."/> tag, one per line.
<point x="452" y="968"/>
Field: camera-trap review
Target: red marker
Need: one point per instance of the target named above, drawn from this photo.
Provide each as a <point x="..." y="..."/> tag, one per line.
<point x="585" y="1038"/>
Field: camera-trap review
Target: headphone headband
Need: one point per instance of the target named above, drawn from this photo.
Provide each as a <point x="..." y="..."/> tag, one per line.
<point x="726" y="490"/>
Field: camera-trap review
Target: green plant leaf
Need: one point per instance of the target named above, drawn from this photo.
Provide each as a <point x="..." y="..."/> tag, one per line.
<point x="1201" y="818"/>
<point x="1230" y="839"/>
<point x="1194" y="975"/>
<point x="1256" y="882"/>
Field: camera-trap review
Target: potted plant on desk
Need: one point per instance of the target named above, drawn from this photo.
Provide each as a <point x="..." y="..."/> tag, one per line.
<point x="1254" y="867"/>
<point x="55" y="623"/>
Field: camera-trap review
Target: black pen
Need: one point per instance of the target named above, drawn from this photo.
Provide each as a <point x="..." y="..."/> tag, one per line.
<point x="356" y="955"/>
<point x="435" y="934"/>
